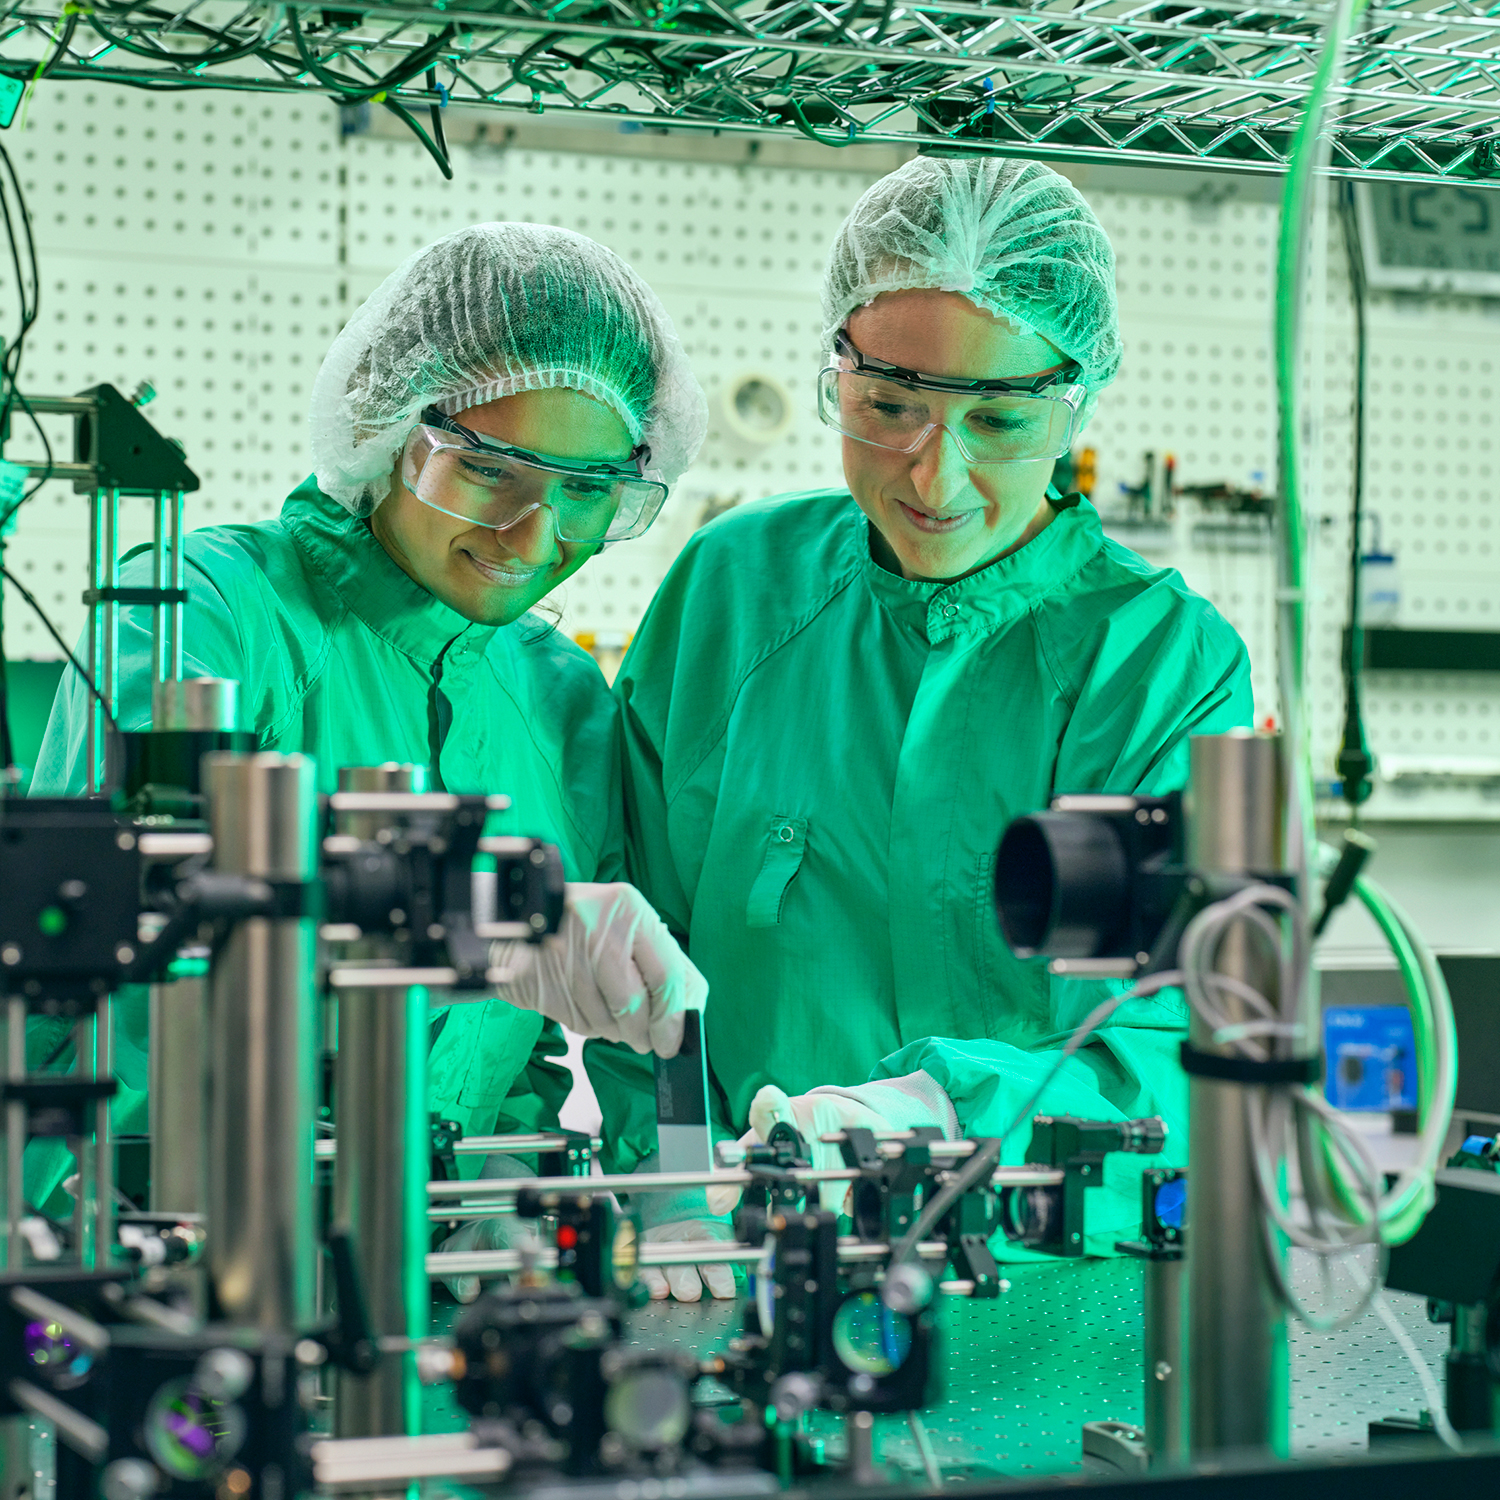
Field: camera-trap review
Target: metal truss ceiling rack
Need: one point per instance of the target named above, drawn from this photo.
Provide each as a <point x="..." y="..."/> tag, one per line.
<point x="1210" y="83"/>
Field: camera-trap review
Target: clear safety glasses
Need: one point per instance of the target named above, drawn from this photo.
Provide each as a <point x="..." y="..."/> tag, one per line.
<point x="992" y="421"/>
<point x="473" y="478"/>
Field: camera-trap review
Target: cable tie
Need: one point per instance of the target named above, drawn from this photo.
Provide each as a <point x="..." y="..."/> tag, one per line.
<point x="1248" y="1070"/>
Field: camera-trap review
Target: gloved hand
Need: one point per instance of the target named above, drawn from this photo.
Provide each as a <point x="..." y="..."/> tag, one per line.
<point x="811" y="1115"/>
<point x="611" y="970"/>
<point x="686" y="1283"/>
<point x="504" y="1233"/>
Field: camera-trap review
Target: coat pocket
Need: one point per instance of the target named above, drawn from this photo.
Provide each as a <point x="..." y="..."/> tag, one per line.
<point x="786" y="843"/>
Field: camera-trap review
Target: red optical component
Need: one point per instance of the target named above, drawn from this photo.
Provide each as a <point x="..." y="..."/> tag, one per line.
<point x="567" y="1236"/>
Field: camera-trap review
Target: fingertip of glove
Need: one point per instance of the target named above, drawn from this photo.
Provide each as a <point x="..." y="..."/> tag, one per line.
<point x="686" y="1287"/>
<point x="721" y="1200"/>
<point x="719" y="1280"/>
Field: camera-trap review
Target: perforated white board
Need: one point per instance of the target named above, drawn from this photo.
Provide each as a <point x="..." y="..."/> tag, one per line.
<point x="213" y="244"/>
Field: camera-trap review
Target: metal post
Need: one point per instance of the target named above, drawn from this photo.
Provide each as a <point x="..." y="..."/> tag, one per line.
<point x="380" y="1171"/>
<point x="97" y="1254"/>
<point x="98" y="575"/>
<point x="261" y="1050"/>
<point x="166" y="573"/>
<point x="1165" y="1354"/>
<point x="1238" y="1393"/>
<point x="177" y="1098"/>
<point x="179" y="1053"/>
<point x="15" y="1134"/>
<point x="199" y="703"/>
<point x="17" y="1471"/>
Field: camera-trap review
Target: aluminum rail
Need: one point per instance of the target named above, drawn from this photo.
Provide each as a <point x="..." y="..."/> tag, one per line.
<point x="683" y="1253"/>
<point x="483" y="1145"/>
<point x="1217" y="84"/>
<point x="493" y="1189"/>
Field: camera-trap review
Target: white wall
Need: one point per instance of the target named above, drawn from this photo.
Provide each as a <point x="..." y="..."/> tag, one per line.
<point x="213" y="243"/>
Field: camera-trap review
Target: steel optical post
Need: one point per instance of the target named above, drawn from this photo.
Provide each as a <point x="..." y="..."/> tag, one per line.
<point x="1164" y="1407"/>
<point x="380" y="1170"/>
<point x="1237" y="1352"/>
<point x="15" y="1133"/>
<point x="261" y="1048"/>
<point x="104" y="621"/>
<point x="167" y="573"/>
<point x="177" y="1096"/>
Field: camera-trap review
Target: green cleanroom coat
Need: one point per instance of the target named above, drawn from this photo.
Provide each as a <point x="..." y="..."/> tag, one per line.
<point x="342" y="656"/>
<point x="820" y="757"/>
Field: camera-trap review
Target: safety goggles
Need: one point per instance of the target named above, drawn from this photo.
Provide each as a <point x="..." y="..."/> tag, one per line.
<point x="991" y="421"/>
<point x="476" y="479"/>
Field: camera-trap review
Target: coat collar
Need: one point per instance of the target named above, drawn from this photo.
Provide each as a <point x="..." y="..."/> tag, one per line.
<point x="345" y="554"/>
<point x="996" y="595"/>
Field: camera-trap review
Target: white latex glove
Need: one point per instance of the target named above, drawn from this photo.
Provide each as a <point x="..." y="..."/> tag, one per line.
<point x="686" y="1283"/>
<point x="811" y="1115"/>
<point x="611" y="970"/>
<point x="484" y="1234"/>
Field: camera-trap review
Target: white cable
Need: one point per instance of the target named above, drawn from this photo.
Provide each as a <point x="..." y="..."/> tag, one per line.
<point x="1440" y="1423"/>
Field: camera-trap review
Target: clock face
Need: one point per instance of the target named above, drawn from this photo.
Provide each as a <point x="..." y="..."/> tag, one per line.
<point x="1431" y="237"/>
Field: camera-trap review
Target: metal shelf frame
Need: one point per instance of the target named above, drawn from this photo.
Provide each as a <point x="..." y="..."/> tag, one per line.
<point x="1208" y="84"/>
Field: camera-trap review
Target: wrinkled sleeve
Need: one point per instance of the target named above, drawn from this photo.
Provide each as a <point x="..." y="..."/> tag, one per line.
<point x="1127" y="1074"/>
<point x="212" y="647"/>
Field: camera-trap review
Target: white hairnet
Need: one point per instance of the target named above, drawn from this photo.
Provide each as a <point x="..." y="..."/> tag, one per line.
<point x="489" y="311"/>
<point x="1013" y="237"/>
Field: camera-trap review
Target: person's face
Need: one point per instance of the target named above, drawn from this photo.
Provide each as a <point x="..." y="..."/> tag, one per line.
<point x="488" y="576"/>
<point x="940" y="516"/>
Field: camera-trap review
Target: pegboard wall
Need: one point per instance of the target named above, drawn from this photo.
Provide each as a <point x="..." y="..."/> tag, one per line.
<point x="213" y="245"/>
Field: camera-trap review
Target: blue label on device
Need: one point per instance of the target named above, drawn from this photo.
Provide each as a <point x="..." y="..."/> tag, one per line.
<point x="1372" y="1059"/>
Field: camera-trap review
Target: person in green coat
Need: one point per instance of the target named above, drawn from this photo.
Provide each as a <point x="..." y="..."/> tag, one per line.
<point x="839" y="699"/>
<point x="511" y="398"/>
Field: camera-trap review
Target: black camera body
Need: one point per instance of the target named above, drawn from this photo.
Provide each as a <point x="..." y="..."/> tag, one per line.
<point x="1093" y="878"/>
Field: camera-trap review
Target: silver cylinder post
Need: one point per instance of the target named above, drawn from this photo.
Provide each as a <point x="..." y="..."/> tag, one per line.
<point x="179" y="1053"/>
<point x="211" y="703"/>
<point x="15" y="1134"/>
<point x="261" y="1048"/>
<point x="177" y="1097"/>
<point x="97" y="1256"/>
<point x="380" y="1171"/>
<point x="1237" y="1351"/>
<point x="1165" y="1393"/>
<point x="104" y="620"/>
<point x="17" y="1469"/>
<point x="167" y="572"/>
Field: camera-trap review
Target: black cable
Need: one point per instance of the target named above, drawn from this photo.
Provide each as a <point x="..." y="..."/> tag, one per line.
<point x="62" y="645"/>
<point x="56" y="1052"/>
<point x="438" y="155"/>
<point x="351" y="91"/>
<point x="63" y="43"/>
<point x="435" y="114"/>
<point x="7" y="747"/>
<point x="210" y="57"/>
<point x="1355" y="764"/>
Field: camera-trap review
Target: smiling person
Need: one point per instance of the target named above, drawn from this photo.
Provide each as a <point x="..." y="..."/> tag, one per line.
<point x="510" y="399"/>
<point x="838" y="700"/>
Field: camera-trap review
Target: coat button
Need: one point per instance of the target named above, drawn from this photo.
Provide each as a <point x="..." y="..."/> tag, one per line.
<point x="786" y="833"/>
<point x="949" y="610"/>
